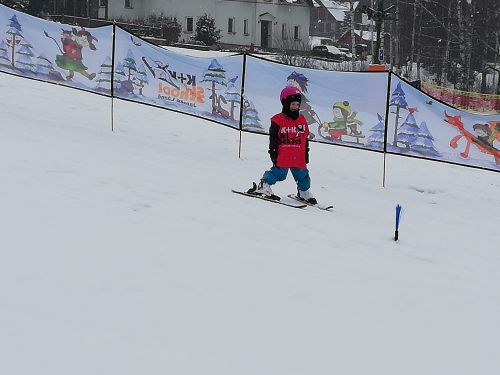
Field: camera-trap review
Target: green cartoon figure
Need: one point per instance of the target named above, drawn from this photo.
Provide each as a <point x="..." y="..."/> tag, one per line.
<point x="344" y="122"/>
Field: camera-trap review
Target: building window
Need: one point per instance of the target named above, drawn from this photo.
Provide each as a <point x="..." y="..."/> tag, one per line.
<point x="230" y="25"/>
<point x="321" y="27"/>
<point x="128" y="4"/>
<point x="103" y="3"/>
<point x="245" y="27"/>
<point x="283" y="31"/>
<point x="296" y="32"/>
<point x="189" y="25"/>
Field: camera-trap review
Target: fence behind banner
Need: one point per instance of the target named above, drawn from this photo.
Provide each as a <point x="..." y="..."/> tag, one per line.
<point x="372" y="111"/>
<point x="485" y="103"/>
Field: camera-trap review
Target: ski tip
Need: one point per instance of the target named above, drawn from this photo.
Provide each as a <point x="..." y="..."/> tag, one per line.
<point x="317" y="204"/>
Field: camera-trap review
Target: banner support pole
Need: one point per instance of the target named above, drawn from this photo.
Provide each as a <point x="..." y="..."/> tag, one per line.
<point x="386" y="125"/>
<point x="242" y="101"/>
<point x="113" y="79"/>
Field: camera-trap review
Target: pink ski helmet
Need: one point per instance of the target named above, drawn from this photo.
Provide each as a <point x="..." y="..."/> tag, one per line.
<point x="290" y="94"/>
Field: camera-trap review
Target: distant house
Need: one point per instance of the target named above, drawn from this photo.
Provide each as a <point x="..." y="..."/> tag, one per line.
<point x="361" y="37"/>
<point x="263" y="23"/>
<point x="364" y="40"/>
<point x="329" y="18"/>
<point x="326" y="18"/>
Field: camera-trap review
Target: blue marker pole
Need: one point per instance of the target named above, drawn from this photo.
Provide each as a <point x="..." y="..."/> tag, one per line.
<point x="398" y="217"/>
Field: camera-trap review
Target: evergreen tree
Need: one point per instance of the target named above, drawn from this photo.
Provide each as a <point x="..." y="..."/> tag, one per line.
<point x="250" y="116"/>
<point x="14" y="39"/>
<point x="119" y="76"/>
<point x="128" y="67"/>
<point x="24" y="57"/>
<point x="376" y="140"/>
<point x="206" y="31"/>
<point x="171" y="30"/>
<point x="217" y="77"/>
<point x="345" y="24"/>
<point x="104" y="76"/>
<point x="130" y="64"/>
<point x="407" y="133"/>
<point x="4" y="57"/>
<point x="15" y="23"/>
<point x="423" y="143"/>
<point x="398" y="100"/>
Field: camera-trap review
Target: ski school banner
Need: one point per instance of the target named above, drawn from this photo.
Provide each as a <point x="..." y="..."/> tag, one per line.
<point x="340" y="107"/>
<point x="206" y="87"/>
<point x="423" y="127"/>
<point x="64" y="54"/>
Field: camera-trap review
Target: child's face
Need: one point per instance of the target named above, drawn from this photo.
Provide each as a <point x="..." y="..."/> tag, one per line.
<point x="337" y="112"/>
<point x="294" y="106"/>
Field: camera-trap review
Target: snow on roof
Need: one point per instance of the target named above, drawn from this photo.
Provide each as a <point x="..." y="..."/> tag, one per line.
<point x="334" y="50"/>
<point x="366" y="35"/>
<point x="336" y="8"/>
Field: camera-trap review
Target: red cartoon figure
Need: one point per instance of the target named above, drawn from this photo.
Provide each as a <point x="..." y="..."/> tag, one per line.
<point x="486" y="134"/>
<point x="72" y="44"/>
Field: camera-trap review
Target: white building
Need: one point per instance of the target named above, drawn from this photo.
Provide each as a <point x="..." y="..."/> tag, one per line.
<point x="265" y="23"/>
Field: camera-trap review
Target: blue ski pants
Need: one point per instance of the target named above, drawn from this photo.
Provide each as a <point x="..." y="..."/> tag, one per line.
<point x="300" y="175"/>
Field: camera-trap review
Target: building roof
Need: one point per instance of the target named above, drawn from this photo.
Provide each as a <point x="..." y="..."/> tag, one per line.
<point x="336" y="8"/>
<point x="365" y="35"/>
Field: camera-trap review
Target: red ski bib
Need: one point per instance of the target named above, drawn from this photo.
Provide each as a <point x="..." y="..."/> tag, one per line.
<point x="292" y="140"/>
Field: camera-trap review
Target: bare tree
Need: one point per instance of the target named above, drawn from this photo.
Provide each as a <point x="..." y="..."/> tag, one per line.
<point x="353" y="35"/>
<point x="448" y="37"/>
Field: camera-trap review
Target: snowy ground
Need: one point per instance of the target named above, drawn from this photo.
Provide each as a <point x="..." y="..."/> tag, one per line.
<point x="126" y="253"/>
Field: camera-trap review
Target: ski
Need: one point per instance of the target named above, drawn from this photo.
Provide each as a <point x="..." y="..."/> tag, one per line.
<point x="274" y="199"/>
<point x="317" y="205"/>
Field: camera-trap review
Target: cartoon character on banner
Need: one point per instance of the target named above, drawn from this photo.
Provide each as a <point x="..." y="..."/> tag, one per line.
<point x="300" y="81"/>
<point x="71" y="58"/>
<point x="344" y="123"/>
<point x="484" y="138"/>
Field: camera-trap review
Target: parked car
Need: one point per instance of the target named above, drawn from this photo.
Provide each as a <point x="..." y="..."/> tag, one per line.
<point x="347" y="52"/>
<point x="330" y="52"/>
<point x="320" y="41"/>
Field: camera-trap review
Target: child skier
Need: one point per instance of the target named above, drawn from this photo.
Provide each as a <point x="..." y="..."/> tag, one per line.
<point x="288" y="147"/>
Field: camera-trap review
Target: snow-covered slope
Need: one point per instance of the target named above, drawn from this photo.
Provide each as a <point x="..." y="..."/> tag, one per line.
<point x="125" y="252"/>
